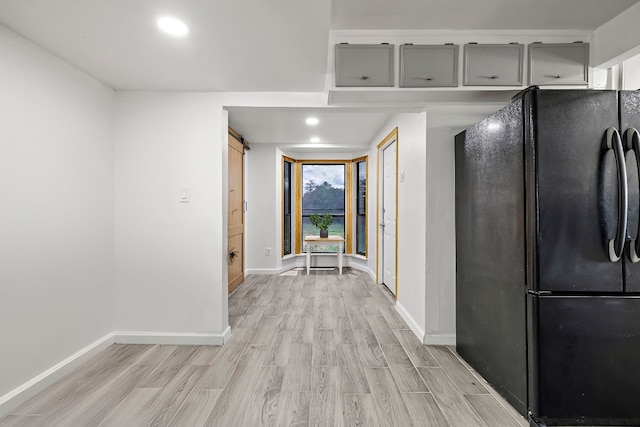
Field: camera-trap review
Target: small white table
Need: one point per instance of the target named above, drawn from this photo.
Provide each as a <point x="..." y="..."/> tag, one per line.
<point x="311" y="241"/>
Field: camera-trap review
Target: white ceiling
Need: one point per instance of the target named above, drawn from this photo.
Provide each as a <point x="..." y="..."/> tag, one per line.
<point x="234" y="45"/>
<point x="339" y="130"/>
<point x="474" y="14"/>
<point x="268" y="45"/>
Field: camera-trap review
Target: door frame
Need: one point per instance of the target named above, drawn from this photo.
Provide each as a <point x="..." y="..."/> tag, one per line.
<point x="391" y="138"/>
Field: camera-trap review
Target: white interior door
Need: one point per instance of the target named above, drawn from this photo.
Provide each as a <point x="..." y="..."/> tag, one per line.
<point x="389" y="217"/>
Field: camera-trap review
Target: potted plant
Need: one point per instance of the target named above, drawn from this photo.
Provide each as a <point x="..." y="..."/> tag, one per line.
<point x="322" y="222"/>
<point x="233" y="254"/>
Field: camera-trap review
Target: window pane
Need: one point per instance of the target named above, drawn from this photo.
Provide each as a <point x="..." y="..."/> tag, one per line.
<point x="361" y="208"/>
<point x="287" y="187"/>
<point x="323" y="192"/>
<point x="323" y="189"/>
<point x="286" y="194"/>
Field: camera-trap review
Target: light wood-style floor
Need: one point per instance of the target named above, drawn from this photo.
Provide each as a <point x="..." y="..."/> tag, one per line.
<point x="321" y="350"/>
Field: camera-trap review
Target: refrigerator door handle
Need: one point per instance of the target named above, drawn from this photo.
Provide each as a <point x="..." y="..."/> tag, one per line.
<point x="616" y="246"/>
<point x="632" y="143"/>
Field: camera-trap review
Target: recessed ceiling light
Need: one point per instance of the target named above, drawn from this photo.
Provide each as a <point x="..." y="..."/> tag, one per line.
<point x="314" y="139"/>
<point x="493" y="126"/>
<point x="172" y="26"/>
<point x="312" y="121"/>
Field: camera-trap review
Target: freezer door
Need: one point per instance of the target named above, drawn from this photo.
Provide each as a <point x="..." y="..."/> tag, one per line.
<point x="585" y="367"/>
<point x="630" y="126"/>
<point x="577" y="190"/>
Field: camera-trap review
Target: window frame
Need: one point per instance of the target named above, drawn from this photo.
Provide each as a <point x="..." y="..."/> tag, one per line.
<point x="291" y="192"/>
<point x="356" y="195"/>
<point x="350" y="201"/>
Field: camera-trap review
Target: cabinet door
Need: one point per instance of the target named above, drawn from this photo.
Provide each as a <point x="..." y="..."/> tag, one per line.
<point x="559" y="64"/>
<point x="428" y="66"/>
<point x="363" y="65"/>
<point x="493" y="64"/>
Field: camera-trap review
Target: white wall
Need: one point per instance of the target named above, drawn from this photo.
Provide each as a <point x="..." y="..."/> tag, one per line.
<point x="617" y="40"/>
<point x="440" y="326"/>
<point x="170" y="257"/>
<point x="631" y="73"/>
<point x="56" y="187"/>
<point x="411" y="215"/>
<point x="263" y="216"/>
<point x="171" y="270"/>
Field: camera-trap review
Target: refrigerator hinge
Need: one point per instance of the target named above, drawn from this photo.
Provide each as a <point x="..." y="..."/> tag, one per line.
<point x="535" y="422"/>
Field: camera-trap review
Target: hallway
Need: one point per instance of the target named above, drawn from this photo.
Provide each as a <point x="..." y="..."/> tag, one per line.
<point x="305" y="350"/>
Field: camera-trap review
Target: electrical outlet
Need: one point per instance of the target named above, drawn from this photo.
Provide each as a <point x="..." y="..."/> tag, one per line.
<point x="267" y="251"/>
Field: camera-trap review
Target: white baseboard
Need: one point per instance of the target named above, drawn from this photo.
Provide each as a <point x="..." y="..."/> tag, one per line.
<point x="417" y="330"/>
<point x="171" y="338"/>
<point x="439" y="339"/>
<point x="21" y="394"/>
<point x="364" y="268"/>
<point x="262" y="271"/>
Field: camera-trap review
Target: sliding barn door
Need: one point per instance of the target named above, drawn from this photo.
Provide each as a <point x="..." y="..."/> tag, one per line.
<point x="236" y="213"/>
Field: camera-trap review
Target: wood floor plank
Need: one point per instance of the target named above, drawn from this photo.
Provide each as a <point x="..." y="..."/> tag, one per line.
<point x="22" y="421"/>
<point x="452" y="403"/>
<point x="217" y="375"/>
<point x="262" y="405"/>
<point x="407" y="377"/>
<point x="490" y="410"/>
<point x="277" y="353"/>
<point x="424" y="411"/>
<point x="357" y="316"/>
<point x="263" y="333"/>
<point x="90" y="408"/>
<point x="325" y="408"/>
<point x="463" y="379"/>
<point x="293" y="408"/>
<point x="392" y="317"/>
<point x="390" y="407"/>
<point x="88" y="377"/>
<point x="297" y="376"/>
<point x="324" y="318"/>
<point x="167" y="403"/>
<point x="233" y="400"/>
<point x="359" y="410"/>
<point x="384" y="334"/>
<point x="352" y="374"/>
<point x="303" y="330"/>
<point x="129" y="410"/>
<point x="369" y="349"/>
<point x="252" y="319"/>
<point x="324" y="348"/>
<point x="205" y="355"/>
<point x="232" y="350"/>
<point x="343" y="332"/>
<point x="194" y="410"/>
<point x="417" y="351"/>
<point x="169" y="367"/>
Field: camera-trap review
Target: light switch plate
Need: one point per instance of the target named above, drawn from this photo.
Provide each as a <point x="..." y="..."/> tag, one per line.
<point x="184" y="195"/>
<point x="401" y="176"/>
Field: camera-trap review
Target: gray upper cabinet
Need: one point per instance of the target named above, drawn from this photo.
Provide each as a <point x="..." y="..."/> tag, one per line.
<point x="493" y="64"/>
<point x="559" y="63"/>
<point x="364" y="65"/>
<point x="428" y="66"/>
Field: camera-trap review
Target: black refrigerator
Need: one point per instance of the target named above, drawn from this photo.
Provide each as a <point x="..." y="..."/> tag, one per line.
<point x="547" y="271"/>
